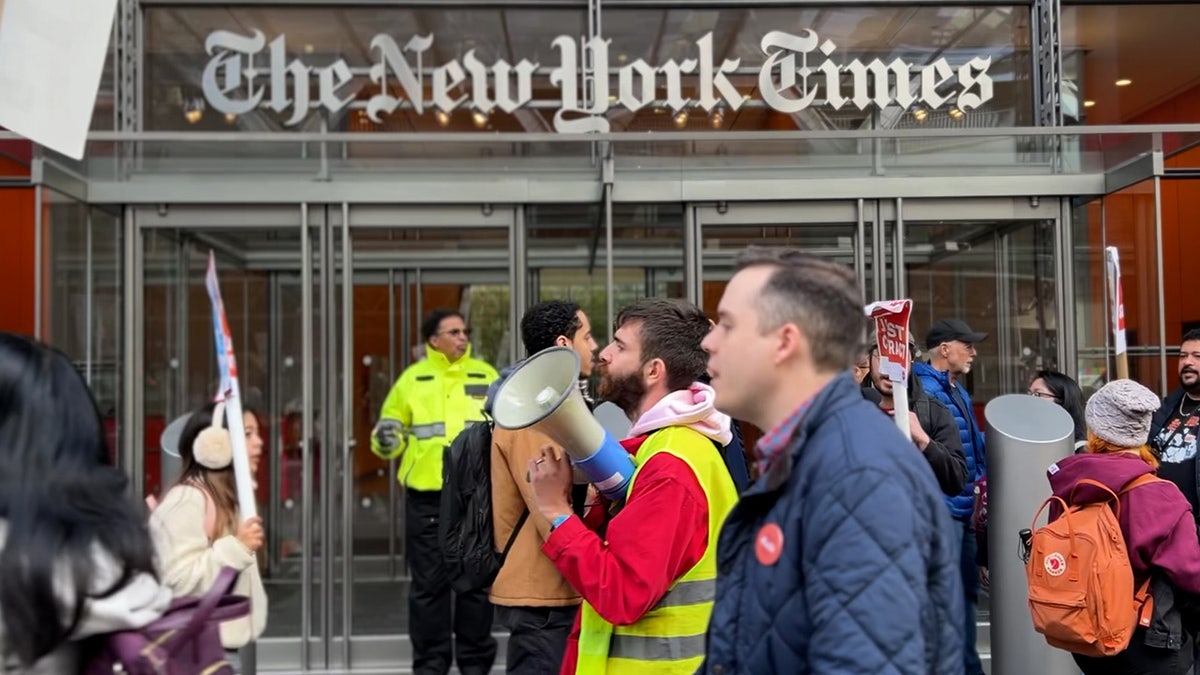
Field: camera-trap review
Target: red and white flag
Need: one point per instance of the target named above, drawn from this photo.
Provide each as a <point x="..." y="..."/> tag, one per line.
<point x="230" y="394"/>
<point x="891" y="334"/>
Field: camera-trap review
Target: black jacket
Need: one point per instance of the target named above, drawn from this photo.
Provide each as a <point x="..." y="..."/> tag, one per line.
<point x="1159" y="420"/>
<point x="945" y="449"/>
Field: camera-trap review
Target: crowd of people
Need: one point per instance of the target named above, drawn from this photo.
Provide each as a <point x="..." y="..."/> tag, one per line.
<point x="835" y="544"/>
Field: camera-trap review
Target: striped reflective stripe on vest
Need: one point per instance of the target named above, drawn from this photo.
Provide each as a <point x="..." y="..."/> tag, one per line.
<point x="431" y="430"/>
<point x="689" y="593"/>
<point x="644" y="648"/>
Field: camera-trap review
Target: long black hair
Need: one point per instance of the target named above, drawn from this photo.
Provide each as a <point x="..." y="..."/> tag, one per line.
<point x="1068" y="395"/>
<point x="60" y="495"/>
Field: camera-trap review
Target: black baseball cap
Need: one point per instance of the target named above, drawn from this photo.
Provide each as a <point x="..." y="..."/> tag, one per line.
<point x="948" y="330"/>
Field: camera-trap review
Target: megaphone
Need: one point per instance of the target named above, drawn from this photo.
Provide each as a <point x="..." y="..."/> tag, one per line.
<point x="543" y="393"/>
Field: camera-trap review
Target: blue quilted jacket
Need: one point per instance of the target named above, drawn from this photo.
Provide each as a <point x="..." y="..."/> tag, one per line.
<point x="937" y="385"/>
<point x="868" y="581"/>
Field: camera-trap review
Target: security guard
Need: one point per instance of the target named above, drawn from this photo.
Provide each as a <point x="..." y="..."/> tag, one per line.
<point x="434" y="400"/>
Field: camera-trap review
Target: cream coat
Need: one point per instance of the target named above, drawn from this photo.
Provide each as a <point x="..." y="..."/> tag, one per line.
<point x="190" y="562"/>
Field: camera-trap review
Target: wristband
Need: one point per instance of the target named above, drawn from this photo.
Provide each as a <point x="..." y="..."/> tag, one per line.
<point x="558" y="521"/>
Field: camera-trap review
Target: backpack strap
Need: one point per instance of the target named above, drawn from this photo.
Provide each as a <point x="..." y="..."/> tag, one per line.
<point x="512" y="538"/>
<point x="1141" y="597"/>
<point x="1144" y="479"/>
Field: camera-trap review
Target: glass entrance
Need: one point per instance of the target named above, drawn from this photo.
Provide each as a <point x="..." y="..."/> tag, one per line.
<point x="991" y="262"/>
<point x="325" y="302"/>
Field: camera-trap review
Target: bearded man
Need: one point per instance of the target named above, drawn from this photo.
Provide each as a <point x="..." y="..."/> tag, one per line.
<point x="648" y="584"/>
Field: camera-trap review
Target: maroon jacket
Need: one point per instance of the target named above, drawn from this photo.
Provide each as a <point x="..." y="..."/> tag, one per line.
<point x="1156" y="519"/>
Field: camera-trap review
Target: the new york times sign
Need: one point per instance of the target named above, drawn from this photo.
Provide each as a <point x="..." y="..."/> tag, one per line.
<point x="798" y="71"/>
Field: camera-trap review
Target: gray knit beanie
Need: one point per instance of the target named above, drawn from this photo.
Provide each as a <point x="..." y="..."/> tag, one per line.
<point x="1120" y="413"/>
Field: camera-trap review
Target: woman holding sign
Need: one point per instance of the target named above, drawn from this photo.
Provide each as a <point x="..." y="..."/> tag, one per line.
<point x="198" y="529"/>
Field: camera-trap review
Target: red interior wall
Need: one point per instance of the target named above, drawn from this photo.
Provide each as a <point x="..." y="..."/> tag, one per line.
<point x="17" y="268"/>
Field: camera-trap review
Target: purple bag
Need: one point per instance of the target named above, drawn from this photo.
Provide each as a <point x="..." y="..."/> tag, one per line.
<point x="185" y="640"/>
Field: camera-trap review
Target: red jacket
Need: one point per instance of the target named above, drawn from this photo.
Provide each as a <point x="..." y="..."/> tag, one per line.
<point x="660" y="533"/>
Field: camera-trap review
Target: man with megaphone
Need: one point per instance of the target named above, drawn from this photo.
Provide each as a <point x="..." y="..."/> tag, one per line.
<point x="648" y="583"/>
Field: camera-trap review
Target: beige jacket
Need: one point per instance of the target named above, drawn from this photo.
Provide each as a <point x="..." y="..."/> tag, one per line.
<point x="190" y="562"/>
<point x="528" y="578"/>
<point x="136" y="604"/>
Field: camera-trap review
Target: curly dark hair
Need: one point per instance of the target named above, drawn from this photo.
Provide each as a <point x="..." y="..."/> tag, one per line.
<point x="546" y="321"/>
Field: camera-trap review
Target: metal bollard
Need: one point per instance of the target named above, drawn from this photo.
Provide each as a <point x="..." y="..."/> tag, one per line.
<point x="1025" y="435"/>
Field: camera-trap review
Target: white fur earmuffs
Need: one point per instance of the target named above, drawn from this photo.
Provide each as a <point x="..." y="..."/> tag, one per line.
<point x="213" y="447"/>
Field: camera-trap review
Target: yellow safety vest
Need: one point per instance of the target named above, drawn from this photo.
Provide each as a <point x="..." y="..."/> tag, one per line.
<point x="433" y="400"/>
<point x="670" y="637"/>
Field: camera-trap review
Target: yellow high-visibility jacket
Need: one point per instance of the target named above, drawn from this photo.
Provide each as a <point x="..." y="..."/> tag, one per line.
<point x="670" y="638"/>
<point x="433" y="401"/>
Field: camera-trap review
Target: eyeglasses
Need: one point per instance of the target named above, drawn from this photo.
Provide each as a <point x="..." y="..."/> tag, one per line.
<point x="1043" y="395"/>
<point x="455" y="332"/>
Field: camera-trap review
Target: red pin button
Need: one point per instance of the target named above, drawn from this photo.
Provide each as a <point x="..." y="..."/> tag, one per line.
<point x="768" y="545"/>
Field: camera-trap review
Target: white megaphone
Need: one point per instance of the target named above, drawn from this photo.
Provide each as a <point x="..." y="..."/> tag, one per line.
<point x="544" y="392"/>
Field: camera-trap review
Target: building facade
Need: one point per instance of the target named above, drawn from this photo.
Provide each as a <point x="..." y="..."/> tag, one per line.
<point x="354" y="165"/>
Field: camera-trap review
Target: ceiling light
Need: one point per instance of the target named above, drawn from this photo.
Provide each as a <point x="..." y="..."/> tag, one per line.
<point x="308" y="49"/>
<point x="681" y="119"/>
<point x="443" y="118"/>
<point x="718" y="118"/>
<point x="480" y="119"/>
<point x="956" y="113"/>
<point x="193" y="110"/>
<point x="1088" y="104"/>
<point x="920" y="115"/>
<point x="230" y="118"/>
<point x="622" y="58"/>
<point x="1124" y="82"/>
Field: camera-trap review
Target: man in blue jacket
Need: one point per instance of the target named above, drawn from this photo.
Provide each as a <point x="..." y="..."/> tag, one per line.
<point x="950" y="344"/>
<point x="838" y="558"/>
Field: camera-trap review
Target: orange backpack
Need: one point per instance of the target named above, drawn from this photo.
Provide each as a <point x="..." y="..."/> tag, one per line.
<point x="1081" y="590"/>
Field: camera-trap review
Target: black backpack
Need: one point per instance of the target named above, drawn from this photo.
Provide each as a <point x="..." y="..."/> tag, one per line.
<point x="465" y="516"/>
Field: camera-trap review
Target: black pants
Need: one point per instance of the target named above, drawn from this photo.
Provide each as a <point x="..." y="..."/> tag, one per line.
<point x="430" y="615"/>
<point x="538" y="638"/>
<point x="1138" y="659"/>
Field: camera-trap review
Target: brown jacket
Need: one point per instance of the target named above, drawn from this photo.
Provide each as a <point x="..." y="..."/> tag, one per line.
<point x="528" y="578"/>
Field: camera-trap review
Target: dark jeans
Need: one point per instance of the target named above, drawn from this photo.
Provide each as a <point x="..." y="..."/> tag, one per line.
<point x="1138" y="659"/>
<point x="964" y="536"/>
<point x="538" y="638"/>
<point x="433" y="609"/>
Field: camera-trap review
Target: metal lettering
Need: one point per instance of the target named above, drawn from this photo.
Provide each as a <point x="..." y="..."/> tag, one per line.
<point x="781" y="49"/>
<point x="410" y="80"/>
<point x="224" y="74"/>
<point x="710" y="79"/>
<point x="626" y="93"/>
<point x="973" y="74"/>
<point x="298" y="73"/>
<point x="876" y="77"/>
<point x="231" y="83"/>
<point x="933" y="76"/>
